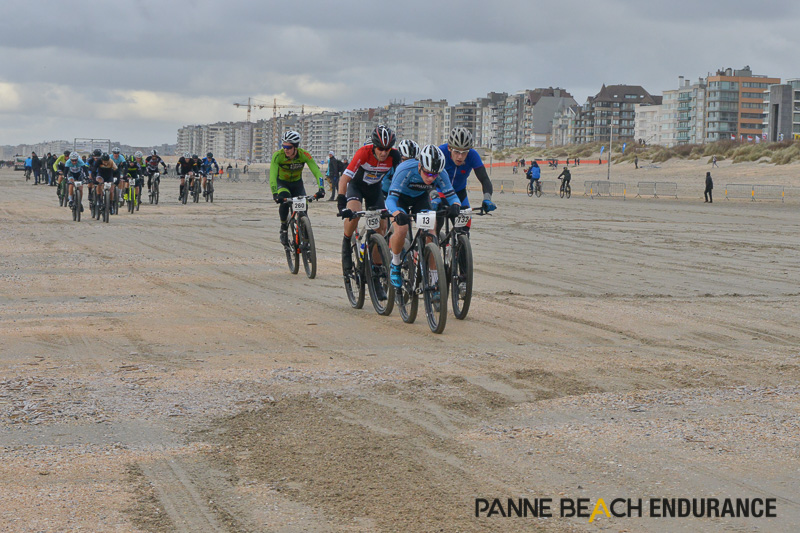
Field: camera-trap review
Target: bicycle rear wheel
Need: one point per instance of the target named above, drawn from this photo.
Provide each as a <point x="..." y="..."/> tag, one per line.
<point x="354" y="280"/>
<point x="406" y="296"/>
<point x="530" y="188"/>
<point x="434" y="291"/>
<point x="307" y="247"/>
<point x="538" y="190"/>
<point x="568" y="191"/>
<point x="292" y="255"/>
<point x="381" y="291"/>
<point x="461" y="277"/>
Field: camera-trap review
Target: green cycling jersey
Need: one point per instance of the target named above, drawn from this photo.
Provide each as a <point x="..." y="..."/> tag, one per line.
<point x="291" y="169"/>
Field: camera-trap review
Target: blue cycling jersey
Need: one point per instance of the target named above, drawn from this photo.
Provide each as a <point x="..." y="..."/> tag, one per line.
<point x="408" y="182"/>
<point x="459" y="175"/>
<point x="74" y="168"/>
<point x="207" y="163"/>
<point x="118" y="160"/>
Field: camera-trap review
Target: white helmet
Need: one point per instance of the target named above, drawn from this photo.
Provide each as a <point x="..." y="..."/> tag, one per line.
<point x="153" y="152"/>
<point x="115" y="150"/>
<point x="187" y="155"/>
<point x="460" y="139"/>
<point x="138" y="154"/>
<point x="408" y="149"/>
<point x="291" y="137"/>
<point x="432" y="158"/>
<point x="74" y="156"/>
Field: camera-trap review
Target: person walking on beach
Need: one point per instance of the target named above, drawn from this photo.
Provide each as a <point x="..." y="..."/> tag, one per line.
<point x="636" y="161"/>
<point x="714" y="162"/>
<point x="709" y="187"/>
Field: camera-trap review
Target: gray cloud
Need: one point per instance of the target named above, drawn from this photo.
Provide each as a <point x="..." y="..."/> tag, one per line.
<point x="144" y="68"/>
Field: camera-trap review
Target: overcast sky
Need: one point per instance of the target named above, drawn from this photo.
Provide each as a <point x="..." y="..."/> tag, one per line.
<point x="136" y="71"/>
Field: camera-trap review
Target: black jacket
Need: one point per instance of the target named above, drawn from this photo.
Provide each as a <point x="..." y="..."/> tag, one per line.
<point x="709" y="183"/>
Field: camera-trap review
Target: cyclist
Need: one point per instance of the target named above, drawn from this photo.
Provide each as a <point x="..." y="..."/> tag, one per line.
<point x="151" y="164"/>
<point x="92" y="163"/>
<point x="58" y="166"/>
<point x="362" y="181"/>
<point x="286" y="177"/>
<point x="74" y="168"/>
<point x="534" y="174"/>
<point x="122" y="174"/>
<point x="105" y="170"/>
<point x="184" y="168"/>
<point x="408" y="150"/>
<point x="410" y="193"/>
<point x="135" y="169"/>
<point x="205" y="167"/>
<point x="461" y="159"/>
<point x="567" y="177"/>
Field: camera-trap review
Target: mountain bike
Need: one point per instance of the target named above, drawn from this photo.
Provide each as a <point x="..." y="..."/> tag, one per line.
<point x="196" y="189"/>
<point x="185" y="194"/>
<point x="63" y="192"/>
<point x="419" y="277"/>
<point x="104" y="205"/>
<point x="155" y="181"/>
<point x="210" y="188"/>
<point x="131" y="197"/>
<point x="301" y="237"/>
<point x="457" y="255"/>
<point x="565" y="189"/>
<point x="366" y="245"/>
<point x="534" y="187"/>
<point x="77" y="200"/>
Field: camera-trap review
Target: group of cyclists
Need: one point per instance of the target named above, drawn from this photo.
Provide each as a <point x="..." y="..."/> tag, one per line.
<point x="125" y="173"/>
<point x="383" y="177"/>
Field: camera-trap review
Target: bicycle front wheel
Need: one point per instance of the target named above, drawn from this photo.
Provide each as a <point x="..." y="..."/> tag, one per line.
<point x="434" y="288"/>
<point x="530" y="189"/>
<point x="381" y="291"/>
<point x="461" y="277"/>
<point x="561" y="192"/>
<point x="307" y="247"/>
<point x="292" y="255"/>
<point x="354" y="279"/>
<point x="106" y="205"/>
<point x="406" y="296"/>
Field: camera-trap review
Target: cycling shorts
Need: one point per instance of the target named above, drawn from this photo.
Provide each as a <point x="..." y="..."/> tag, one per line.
<point x="371" y="196"/>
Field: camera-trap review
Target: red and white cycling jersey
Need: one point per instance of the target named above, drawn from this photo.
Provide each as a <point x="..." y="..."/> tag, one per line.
<point x="365" y="166"/>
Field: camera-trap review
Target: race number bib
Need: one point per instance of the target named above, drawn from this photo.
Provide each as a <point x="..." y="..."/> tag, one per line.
<point x="462" y="219"/>
<point x="299" y="205"/>
<point x="426" y="220"/>
<point x="373" y="221"/>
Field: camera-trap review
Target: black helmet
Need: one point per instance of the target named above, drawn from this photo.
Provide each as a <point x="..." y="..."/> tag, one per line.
<point x="383" y="138"/>
<point x="195" y="156"/>
<point x="210" y="155"/>
<point x="105" y="156"/>
<point x="97" y="152"/>
<point x="67" y="153"/>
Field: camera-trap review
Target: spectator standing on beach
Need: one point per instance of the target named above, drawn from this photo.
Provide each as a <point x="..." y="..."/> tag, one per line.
<point x="709" y="187"/>
<point x="36" y="166"/>
<point x="578" y="161"/>
<point x="334" y="167"/>
<point x="636" y="161"/>
<point x="714" y="162"/>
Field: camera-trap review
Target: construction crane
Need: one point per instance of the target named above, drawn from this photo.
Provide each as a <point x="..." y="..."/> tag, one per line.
<point x="249" y="105"/>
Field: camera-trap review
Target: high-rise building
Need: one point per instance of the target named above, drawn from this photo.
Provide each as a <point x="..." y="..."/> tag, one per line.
<point x="735" y="104"/>
<point x="782" y="111"/>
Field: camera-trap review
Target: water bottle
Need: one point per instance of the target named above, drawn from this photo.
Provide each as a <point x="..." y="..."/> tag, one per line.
<point x="361" y="252"/>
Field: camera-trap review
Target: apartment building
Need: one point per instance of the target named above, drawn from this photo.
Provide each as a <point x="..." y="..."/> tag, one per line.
<point x="648" y="123"/>
<point x="735" y="104"/>
<point x="541" y="106"/>
<point x="782" y="111"/>
<point x="613" y="108"/>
